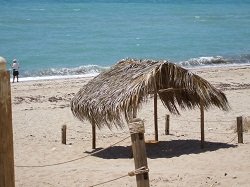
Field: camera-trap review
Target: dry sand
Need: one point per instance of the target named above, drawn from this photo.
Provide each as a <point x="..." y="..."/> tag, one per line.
<point x="40" y="108"/>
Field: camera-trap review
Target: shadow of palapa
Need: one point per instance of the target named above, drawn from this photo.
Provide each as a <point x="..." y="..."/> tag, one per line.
<point x="162" y="149"/>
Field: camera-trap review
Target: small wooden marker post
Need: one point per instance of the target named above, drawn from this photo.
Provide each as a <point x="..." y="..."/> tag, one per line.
<point x="155" y="117"/>
<point x="202" y="126"/>
<point x="64" y="129"/>
<point x="167" y="125"/>
<point x="93" y="137"/>
<point x="240" y="129"/>
<point x="7" y="174"/>
<point x="136" y="128"/>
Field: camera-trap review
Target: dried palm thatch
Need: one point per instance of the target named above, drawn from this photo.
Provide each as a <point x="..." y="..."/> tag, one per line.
<point x="110" y="97"/>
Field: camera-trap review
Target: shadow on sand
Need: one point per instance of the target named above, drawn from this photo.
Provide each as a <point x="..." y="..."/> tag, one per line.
<point x="163" y="149"/>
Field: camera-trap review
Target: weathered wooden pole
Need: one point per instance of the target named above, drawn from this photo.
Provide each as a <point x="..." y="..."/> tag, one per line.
<point x="64" y="129"/>
<point x="240" y="129"/>
<point x="134" y="113"/>
<point x="7" y="174"/>
<point x="93" y="137"/>
<point x="155" y="117"/>
<point x="202" y="126"/>
<point x="167" y="125"/>
<point x="136" y="128"/>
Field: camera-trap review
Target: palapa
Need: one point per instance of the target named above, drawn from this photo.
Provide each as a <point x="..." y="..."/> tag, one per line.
<point x="110" y="98"/>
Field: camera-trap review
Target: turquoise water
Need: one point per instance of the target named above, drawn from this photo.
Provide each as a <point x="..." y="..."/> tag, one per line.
<point x="51" y="38"/>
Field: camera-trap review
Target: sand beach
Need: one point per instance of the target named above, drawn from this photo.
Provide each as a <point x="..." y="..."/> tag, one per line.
<point x="40" y="108"/>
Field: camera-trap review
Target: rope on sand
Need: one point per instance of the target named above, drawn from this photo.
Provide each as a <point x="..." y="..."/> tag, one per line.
<point x="138" y="171"/>
<point x="110" y="180"/>
<point x="73" y="160"/>
<point x="232" y="139"/>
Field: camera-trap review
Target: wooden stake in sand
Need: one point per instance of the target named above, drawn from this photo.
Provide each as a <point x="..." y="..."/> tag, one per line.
<point x="93" y="137"/>
<point x="167" y="125"/>
<point x="155" y="117"/>
<point x="202" y="126"/>
<point x="7" y="178"/>
<point x="64" y="129"/>
<point x="240" y="129"/>
<point x="136" y="128"/>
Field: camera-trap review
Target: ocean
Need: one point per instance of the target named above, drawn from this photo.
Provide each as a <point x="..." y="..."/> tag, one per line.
<point x="59" y="38"/>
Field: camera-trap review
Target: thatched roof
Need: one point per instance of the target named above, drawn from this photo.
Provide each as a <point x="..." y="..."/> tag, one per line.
<point x="110" y="97"/>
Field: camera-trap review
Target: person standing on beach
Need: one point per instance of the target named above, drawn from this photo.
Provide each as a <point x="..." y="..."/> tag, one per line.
<point x="15" y="67"/>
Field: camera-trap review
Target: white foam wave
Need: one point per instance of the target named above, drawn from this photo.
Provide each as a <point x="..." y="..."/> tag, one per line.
<point x="81" y="70"/>
<point x="204" y="61"/>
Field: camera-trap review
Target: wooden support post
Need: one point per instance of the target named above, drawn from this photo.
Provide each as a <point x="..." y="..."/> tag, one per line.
<point x="167" y="125"/>
<point x="134" y="113"/>
<point x="155" y="117"/>
<point x="240" y="129"/>
<point x="202" y="126"/>
<point x="7" y="174"/>
<point x="64" y="129"/>
<point x="93" y="137"/>
<point x="136" y="128"/>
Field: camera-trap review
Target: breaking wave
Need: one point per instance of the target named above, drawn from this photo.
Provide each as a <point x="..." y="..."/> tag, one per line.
<point x="216" y="61"/>
<point x="81" y="70"/>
